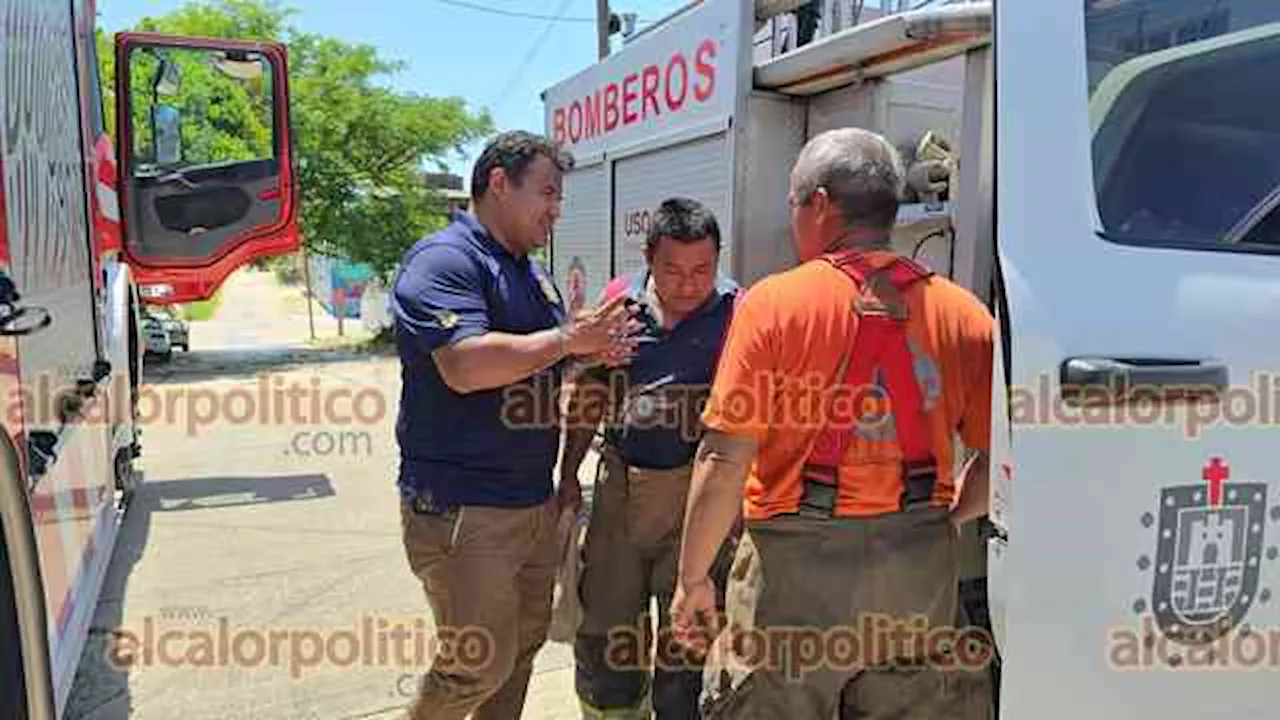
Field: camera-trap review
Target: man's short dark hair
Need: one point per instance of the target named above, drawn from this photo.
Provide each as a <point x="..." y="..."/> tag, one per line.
<point x="683" y="220"/>
<point x="514" y="151"/>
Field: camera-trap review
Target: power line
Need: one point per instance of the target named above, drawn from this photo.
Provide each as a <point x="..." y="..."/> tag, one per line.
<point x="519" y="14"/>
<point x="532" y="52"/>
<point x="512" y="13"/>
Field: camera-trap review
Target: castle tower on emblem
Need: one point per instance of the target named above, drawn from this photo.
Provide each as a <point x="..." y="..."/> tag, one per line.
<point x="1214" y="540"/>
<point x="1209" y="555"/>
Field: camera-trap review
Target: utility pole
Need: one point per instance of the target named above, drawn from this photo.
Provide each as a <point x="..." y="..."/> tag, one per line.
<point x="602" y="27"/>
<point x="306" y="279"/>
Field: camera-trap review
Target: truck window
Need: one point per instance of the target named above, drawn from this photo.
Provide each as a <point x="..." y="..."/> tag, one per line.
<point x="1186" y="149"/>
<point x="194" y="107"/>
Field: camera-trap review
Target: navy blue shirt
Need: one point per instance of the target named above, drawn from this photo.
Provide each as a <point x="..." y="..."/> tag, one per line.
<point x="492" y="447"/>
<point x="661" y="392"/>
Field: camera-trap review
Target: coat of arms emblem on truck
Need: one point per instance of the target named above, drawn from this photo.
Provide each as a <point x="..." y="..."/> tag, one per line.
<point x="1211" y="546"/>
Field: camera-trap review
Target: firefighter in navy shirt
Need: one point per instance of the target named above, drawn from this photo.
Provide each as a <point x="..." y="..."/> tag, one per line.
<point x="650" y="409"/>
<point x="478" y="322"/>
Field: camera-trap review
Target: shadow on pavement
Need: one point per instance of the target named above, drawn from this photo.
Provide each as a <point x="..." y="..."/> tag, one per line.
<point x="233" y="364"/>
<point x="101" y="690"/>
<point x="210" y="492"/>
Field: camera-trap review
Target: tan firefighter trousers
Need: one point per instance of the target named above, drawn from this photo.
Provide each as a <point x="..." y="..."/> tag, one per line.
<point x="631" y="554"/>
<point x="489" y="575"/>
<point x="849" y="618"/>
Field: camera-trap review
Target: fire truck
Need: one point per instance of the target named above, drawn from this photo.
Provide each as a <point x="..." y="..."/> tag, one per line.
<point x="1105" y="177"/>
<point x="90" y="229"/>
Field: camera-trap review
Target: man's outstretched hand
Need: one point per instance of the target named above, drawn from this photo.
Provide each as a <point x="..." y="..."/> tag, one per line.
<point x="694" y="622"/>
<point x="603" y="331"/>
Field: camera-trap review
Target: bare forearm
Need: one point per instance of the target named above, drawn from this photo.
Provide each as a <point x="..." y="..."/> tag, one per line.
<point x="975" y="489"/>
<point x="715" y="501"/>
<point x="495" y="359"/>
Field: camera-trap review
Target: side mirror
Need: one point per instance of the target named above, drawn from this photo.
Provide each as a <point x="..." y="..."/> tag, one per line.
<point x="238" y="65"/>
<point x="166" y="128"/>
<point x="168" y="78"/>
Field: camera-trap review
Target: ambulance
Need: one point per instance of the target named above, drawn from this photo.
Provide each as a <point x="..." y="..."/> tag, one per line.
<point x="90" y="228"/>
<point x="1105" y="175"/>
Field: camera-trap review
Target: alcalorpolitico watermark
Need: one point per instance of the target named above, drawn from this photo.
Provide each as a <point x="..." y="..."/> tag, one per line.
<point x="802" y="401"/>
<point x="272" y="400"/>
<point x="795" y="651"/>
<point x="1192" y="407"/>
<point x="215" y="642"/>
<point x="806" y="401"/>
<point x="1141" y="648"/>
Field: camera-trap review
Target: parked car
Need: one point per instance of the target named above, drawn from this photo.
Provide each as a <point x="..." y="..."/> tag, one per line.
<point x="177" y="328"/>
<point x="156" y="337"/>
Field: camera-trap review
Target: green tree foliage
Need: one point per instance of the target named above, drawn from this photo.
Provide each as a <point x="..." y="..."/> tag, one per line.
<point x="362" y="147"/>
<point x="222" y="118"/>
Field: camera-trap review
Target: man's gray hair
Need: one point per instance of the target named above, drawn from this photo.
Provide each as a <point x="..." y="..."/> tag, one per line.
<point x="861" y="171"/>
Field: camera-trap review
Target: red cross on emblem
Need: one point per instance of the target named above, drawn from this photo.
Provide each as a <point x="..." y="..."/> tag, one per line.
<point x="1215" y="473"/>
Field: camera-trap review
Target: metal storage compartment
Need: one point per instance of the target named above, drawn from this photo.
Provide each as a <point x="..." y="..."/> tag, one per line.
<point x="580" y="255"/>
<point x="701" y="169"/>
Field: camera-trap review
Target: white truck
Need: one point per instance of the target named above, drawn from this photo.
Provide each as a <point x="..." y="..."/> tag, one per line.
<point x="1114" y="174"/>
<point x="85" y="238"/>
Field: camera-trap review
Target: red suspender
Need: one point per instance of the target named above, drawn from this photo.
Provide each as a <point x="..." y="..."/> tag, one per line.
<point x="880" y="342"/>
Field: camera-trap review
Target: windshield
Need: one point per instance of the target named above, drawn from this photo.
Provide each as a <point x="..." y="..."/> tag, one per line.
<point x="1186" y="143"/>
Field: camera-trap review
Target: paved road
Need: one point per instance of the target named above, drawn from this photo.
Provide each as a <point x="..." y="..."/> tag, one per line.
<point x="252" y="521"/>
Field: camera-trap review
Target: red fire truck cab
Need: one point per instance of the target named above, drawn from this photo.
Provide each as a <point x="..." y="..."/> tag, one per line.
<point x="89" y="231"/>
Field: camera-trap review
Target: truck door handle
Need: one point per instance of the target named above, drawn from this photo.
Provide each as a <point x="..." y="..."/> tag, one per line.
<point x="177" y="178"/>
<point x="1111" y="380"/>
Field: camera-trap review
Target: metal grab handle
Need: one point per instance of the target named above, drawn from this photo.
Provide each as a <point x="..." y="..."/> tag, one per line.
<point x="1111" y="380"/>
<point x="18" y="321"/>
<point x="21" y="321"/>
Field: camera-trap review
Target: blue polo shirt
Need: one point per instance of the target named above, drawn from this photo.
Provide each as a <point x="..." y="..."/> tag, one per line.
<point x="661" y="392"/>
<point x="493" y="447"/>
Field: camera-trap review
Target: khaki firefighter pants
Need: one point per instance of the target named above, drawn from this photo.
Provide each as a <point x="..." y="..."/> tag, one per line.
<point x="849" y="618"/>
<point x="489" y="574"/>
<point x="631" y="554"/>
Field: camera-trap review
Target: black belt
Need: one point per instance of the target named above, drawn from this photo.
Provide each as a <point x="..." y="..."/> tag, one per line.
<point x="819" y="489"/>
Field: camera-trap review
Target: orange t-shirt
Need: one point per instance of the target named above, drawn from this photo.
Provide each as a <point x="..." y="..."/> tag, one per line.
<point x="782" y="351"/>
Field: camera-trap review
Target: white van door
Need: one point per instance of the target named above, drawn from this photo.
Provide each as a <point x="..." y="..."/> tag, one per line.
<point x="1138" y="180"/>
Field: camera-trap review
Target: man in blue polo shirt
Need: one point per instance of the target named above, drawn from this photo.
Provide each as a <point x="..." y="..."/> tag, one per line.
<point x="482" y="337"/>
<point x="650" y="408"/>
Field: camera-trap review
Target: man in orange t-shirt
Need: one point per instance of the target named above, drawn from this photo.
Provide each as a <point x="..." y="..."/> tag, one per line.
<point x="845" y="583"/>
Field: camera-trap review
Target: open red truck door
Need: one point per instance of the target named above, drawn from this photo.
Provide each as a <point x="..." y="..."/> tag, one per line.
<point x="206" y="161"/>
